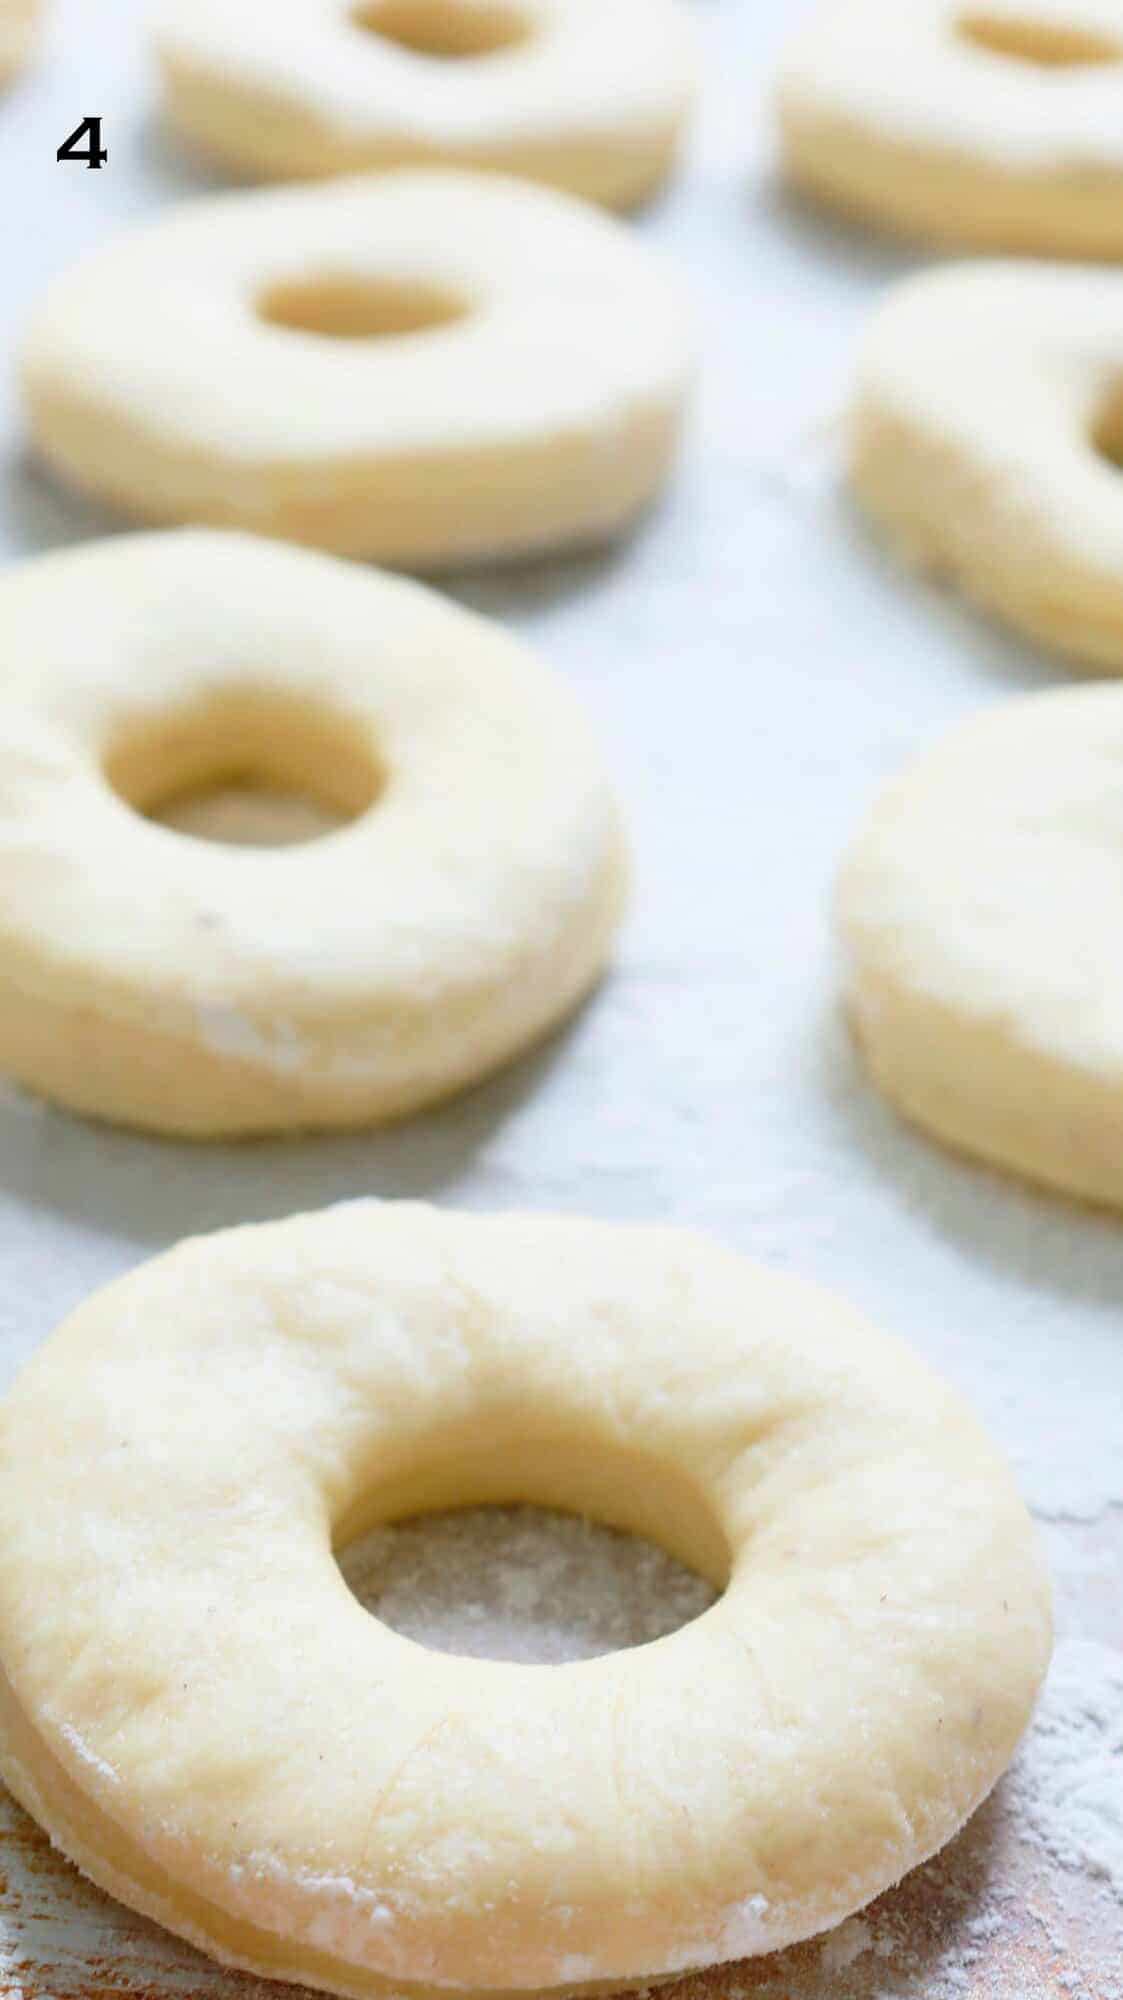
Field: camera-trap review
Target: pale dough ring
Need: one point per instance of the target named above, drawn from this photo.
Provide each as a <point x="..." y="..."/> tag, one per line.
<point x="203" y="989"/>
<point x="986" y="438"/>
<point x="502" y="368"/>
<point x="208" y="1722"/>
<point x="997" y="124"/>
<point x="979" y="913"/>
<point x="19" y="30"/>
<point x="581" y="95"/>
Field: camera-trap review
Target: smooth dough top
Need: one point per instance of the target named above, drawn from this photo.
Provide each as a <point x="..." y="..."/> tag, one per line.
<point x="178" y="1643"/>
<point x="578" y="69"/>
<point x="907" y="70"/>
<point x="989" y="879"/>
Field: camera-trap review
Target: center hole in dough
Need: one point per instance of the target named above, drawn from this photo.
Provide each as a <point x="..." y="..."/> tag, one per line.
<point x="1049" y="44"/>
<point x="246" y="770"/>
<point x="449" y="29"/>
<point x="1107" y="430"/>
<point x="521" y="1583"/>
<point x="359" y="308"/>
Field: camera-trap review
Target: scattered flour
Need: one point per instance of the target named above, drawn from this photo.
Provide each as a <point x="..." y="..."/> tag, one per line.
<point x="848" y="1943"/>
<point x="94" y="1764"/>
<point x="1068" y="1784"/>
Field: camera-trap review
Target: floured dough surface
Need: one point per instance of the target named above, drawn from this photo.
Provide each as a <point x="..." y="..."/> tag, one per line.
<point x="422" y="368"/>
<point x="210" y="1724"/>
<point x="581" y="95"/>
<point x="979" y="913"/>
<point x="998" y="124"/>
<point x="986" y="439"/>
<point x="191" y="986"/>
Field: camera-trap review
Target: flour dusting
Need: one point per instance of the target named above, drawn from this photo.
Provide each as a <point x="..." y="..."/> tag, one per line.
<point x="1068" y="1786"/>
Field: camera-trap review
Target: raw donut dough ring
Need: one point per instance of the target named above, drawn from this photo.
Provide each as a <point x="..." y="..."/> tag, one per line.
<point x="987" y="440"/>
<point x="189" y="987"/>
<point x="216" y="1731"/>
<point x="979" y="913"/>
<point x="583" y="96"/>
<point x="525" y="390"/>
<point x="998" y="125"/>
<point x="19" y="31"/>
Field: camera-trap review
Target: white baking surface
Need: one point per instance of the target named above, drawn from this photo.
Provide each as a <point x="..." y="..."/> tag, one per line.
<point x="755" y="670"/>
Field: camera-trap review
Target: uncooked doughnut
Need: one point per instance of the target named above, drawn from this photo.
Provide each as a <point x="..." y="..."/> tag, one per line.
<point x="215" y="1730"/>
<point x="979" y="913"/>
<point x="19" y="28"/>
<point x="582" y="95"/>
<point x="196" y="988"/>
<point x="419" y="367"/>
<point x="987" y="440"/>
<point x="998" y="125"/>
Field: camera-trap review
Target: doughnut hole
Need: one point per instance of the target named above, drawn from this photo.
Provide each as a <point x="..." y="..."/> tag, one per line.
<point x="1107" y="428"/>
<point x="1046" y="44"/>
<point x="521" y="1583"/>
<point x="245" y="769"/>
<point x="349" y="308"/>
<point x="545" y="1554"/>
<point x="448" y="30"/>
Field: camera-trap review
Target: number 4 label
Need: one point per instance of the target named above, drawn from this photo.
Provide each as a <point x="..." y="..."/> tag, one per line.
<point x="93" y="154"/>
